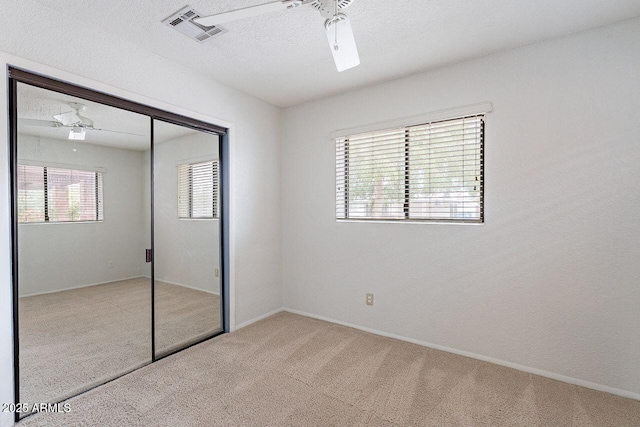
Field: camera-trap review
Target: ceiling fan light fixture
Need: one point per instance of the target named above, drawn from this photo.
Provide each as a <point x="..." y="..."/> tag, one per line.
<point x="77" y="133"/>
<point x="342" y="42"/>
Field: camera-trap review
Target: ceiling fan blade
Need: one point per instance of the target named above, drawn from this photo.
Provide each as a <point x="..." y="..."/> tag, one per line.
<point x="342" y="42"/>
<point x="39" y="123"/>
<point x="113" y="131"/>
<point x="247" y="12"/>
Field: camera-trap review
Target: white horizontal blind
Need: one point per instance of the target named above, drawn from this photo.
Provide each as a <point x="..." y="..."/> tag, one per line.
<point x="48" y="194"/>
<point x="431" y="172"/>
<point x="198" y="190"/>
<point x="30" y="193"/>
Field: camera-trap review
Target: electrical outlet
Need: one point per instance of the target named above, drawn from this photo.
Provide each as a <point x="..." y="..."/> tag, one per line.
<point x="110" y="265"/>
<point x="369" y="299"/>
<point x="217" y="272"/>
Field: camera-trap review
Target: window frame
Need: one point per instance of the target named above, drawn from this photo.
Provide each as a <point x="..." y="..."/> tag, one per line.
<point x="345" y="137"/>
<point x="98" y="182"/>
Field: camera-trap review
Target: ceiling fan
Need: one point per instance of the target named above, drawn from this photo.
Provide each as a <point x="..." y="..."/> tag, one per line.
<point x="337" y="25"/>
<point x="78" y="124"/>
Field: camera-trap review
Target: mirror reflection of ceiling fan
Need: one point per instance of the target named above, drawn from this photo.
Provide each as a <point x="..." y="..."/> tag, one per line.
<point x="78" y="124"/>
<point x="337" y="25"/>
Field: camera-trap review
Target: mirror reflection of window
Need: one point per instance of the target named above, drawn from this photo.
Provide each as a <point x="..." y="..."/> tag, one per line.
<point x="30" y="193"/>
<point x="48" y="194"/>
<point x="198" y="190"/>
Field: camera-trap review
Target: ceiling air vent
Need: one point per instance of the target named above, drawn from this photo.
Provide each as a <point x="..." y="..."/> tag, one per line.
<point x="182" y="21"/>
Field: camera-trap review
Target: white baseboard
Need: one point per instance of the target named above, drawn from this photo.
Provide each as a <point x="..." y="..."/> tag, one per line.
<point x="259" y="318"/>
<point x="79" y="287"/>
<point x="184" y="286"/>
<point x="540" y="372"/>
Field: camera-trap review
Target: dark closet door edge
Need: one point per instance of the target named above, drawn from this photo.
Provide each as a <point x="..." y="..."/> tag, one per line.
<point x="225" y="278"/>
<point x="13" y="168"/>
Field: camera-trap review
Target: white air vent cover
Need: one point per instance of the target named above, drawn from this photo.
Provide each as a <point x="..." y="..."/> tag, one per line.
<point x="182" y="21"/>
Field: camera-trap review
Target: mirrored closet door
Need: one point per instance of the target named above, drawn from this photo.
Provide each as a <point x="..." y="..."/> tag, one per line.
<point x="84" y="288"/>
<point x="186" y="237"/>
<point x="116" y="236"/>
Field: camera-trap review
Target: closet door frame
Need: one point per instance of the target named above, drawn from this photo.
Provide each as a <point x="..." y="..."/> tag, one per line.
<point x="19" y="75"/>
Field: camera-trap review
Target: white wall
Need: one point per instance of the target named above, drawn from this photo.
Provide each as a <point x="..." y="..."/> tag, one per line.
<point x="551" y="280"/>
<point x="59" y="256"/>
<point x="113" y="65"/>
<point x="186" y="251"/>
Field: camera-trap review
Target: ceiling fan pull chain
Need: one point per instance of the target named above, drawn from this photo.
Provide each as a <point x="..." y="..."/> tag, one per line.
<point x="335" y="46"/>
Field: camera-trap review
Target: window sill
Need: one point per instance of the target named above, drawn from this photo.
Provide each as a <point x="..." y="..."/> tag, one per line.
<point x="402" y="221"/>
<point x="60" y="222"/>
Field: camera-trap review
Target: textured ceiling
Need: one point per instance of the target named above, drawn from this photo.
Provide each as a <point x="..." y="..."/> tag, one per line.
<point x="284" y="58"/>
<point x="41" y="104"/>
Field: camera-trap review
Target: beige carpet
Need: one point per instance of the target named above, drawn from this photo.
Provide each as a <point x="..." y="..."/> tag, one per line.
<point x="73" y="340"/>
<point x="289" y="370"/>
<point x="183" y="316"/>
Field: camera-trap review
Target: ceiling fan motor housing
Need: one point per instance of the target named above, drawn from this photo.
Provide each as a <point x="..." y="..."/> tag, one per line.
<point x="84" y="121"/>
<point x="328" y="7"/>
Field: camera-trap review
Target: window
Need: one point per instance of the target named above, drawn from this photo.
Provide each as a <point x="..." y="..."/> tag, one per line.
<point x="48" y="194"/>
<point x="198" y="190"/>
<point x="428" y="172"/>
